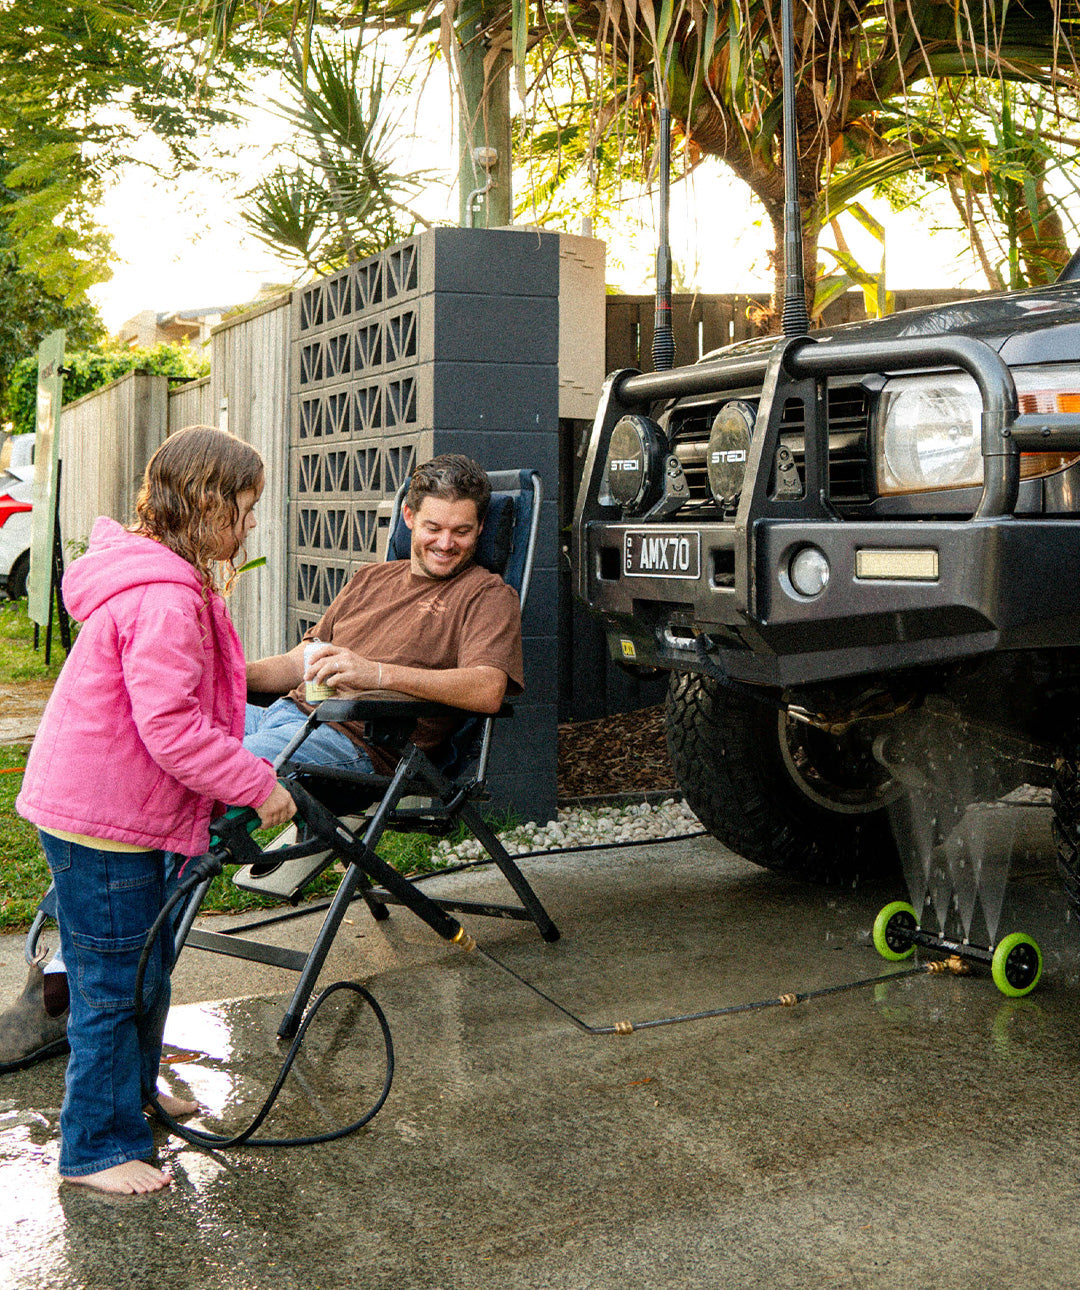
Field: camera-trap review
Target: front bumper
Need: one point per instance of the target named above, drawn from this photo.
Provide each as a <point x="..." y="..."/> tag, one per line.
<point x="1002" y="583"/>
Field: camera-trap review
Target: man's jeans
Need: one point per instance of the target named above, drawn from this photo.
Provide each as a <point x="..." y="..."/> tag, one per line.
<point x="267" y="731"/>
<point x="107" y="902"/>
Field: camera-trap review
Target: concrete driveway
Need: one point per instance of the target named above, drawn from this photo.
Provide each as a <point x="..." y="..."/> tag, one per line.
<point x="922" y="1131"/>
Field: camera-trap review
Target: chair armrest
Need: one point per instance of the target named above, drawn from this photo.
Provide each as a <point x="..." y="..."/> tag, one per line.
<point x="390" y="705"/>
<point x="375" y="705"/>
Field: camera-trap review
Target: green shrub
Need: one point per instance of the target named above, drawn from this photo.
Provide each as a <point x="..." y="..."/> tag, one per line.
<point x="93" y="368"/>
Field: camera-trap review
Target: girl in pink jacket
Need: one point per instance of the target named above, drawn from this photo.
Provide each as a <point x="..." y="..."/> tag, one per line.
<point x="140" y="739"/>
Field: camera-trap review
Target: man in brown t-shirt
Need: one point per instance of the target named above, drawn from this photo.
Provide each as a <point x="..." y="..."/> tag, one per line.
<point x="435" y="626"/>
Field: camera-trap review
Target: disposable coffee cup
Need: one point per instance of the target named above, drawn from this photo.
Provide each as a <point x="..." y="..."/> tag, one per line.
<point x="314" y="691"/>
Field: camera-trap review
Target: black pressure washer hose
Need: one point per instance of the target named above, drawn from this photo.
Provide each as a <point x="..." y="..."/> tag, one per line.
<point x="210" y="866"/>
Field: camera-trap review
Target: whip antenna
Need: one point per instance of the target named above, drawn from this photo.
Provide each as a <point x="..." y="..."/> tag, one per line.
<point x="795" y="320"/>
<point x="663" y="342"/>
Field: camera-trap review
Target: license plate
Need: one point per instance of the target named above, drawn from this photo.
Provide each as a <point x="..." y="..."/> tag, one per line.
<point x="661" y="553"/>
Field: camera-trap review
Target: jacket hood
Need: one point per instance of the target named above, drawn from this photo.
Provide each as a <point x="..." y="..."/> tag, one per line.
<point x="116" y="561"/>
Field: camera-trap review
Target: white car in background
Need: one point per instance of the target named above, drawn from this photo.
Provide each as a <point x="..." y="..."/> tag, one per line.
<point x="16" y="504"/>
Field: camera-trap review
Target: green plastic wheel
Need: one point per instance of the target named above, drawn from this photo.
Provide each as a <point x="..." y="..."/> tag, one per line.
<point x="1017" y="965"/>
<point x="890" y="931"/>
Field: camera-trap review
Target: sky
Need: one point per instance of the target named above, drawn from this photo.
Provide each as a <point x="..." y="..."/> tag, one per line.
<point x="183" y="245"/>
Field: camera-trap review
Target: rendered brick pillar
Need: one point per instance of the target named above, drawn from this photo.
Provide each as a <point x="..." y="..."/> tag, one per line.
<point x="446" y="343"/>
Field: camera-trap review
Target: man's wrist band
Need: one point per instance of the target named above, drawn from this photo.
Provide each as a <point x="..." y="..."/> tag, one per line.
<point x="378" y="683"/>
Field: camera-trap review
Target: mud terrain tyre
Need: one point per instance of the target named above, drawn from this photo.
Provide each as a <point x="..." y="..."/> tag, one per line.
<point x="778" y="793"/>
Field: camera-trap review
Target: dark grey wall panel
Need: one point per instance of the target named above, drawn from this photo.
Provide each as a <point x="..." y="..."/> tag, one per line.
<point x="504" y="262"/>
<point x="507" y="328"/>
<point x="541" y="677"/>
<point x="494" y="396"/>
<point x="507" y="450"/>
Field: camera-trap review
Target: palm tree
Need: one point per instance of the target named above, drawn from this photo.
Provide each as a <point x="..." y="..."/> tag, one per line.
<point x="343" y="198"/>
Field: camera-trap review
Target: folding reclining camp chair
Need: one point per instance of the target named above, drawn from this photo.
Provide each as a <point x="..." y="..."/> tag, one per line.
<point x="429" y="794"/>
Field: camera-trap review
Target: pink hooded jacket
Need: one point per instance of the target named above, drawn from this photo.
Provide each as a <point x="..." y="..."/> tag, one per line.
<point x="142" y="732"/>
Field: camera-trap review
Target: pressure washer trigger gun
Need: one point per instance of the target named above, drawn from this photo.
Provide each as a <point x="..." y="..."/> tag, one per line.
<point x="232" y="832"/>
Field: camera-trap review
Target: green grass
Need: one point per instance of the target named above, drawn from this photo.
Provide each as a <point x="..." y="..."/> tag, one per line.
<point x="24" y="877"/>
<point x="23" y="873"/>
<point x="19" y="661"/>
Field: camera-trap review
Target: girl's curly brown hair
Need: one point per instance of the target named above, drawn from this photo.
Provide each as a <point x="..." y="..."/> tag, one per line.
<point x="189" y="493"/>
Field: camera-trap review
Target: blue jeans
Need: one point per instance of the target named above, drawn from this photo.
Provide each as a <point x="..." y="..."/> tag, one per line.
<point x="267" y="731"/>
<point x="107" y="902"/>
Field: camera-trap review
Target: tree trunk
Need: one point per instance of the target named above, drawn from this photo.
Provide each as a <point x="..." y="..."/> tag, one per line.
<point x="1044" y="249"/>
<point x="716" y="136"/>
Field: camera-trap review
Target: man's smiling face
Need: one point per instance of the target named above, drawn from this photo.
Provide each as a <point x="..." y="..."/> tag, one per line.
<point x="444" y="536"/>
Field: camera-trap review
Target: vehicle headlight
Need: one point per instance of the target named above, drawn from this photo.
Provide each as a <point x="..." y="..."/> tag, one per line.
<point x="928" y="428"/>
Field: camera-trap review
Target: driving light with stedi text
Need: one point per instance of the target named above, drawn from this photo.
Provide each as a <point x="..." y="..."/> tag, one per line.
<point x="634" y="469"/>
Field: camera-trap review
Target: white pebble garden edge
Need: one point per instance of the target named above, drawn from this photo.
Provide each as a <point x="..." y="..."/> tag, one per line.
<point x="582" y="826"/>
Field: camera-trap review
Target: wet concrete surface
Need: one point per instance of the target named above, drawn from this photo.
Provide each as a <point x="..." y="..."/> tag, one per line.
<point x="21" y="707"/>
<point x="922" y="1131"/>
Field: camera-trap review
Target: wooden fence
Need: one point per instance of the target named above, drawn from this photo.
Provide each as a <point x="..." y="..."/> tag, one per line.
<point x="249" y="392"/>
<point x="107" y="437"/>
<point x="191" y="405"/>
<point x="702" y="323"/>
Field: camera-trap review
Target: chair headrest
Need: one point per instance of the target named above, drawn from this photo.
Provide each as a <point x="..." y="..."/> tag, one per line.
<point x="497" y="535"/>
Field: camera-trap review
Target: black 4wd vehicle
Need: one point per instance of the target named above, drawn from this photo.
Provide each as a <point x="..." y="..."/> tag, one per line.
<point x="857" y="553"/>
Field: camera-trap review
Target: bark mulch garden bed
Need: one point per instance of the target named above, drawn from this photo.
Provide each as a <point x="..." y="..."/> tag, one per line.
<point x="625" y="753"/>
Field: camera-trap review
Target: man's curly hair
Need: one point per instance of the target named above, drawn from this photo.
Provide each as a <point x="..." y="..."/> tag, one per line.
<point x="452" y="477"/>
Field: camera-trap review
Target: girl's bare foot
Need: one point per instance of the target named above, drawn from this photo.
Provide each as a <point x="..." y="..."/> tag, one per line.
<point x="133" y="1178"/>
<point x="175" y="1106"/>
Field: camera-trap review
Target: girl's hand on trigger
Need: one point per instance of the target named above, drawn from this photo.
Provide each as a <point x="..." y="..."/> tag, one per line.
<point x="278" y="808"/>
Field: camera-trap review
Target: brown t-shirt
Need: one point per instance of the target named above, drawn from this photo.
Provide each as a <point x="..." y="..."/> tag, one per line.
<point x="389" y="615"/>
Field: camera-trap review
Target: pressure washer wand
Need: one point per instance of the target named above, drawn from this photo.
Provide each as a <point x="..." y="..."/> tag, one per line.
<point x="663" y="342"/>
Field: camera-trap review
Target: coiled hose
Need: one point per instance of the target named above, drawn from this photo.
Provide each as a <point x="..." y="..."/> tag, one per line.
<point x="210" y="866"/>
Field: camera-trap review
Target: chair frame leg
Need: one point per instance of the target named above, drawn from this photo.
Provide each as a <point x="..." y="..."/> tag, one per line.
<point x="362" y="863"/>
<point x="363" y="869"/>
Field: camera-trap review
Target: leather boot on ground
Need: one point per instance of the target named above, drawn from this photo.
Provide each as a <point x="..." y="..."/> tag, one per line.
<point x="27" y="1033"/>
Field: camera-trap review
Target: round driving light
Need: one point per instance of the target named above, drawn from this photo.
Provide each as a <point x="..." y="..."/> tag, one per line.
<point x="635" y="462"/>
<point x="729" y="447"/>
<point x="809" y="571"/>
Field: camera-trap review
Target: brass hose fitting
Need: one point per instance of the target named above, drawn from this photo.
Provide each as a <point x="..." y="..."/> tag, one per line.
<point x="954" y="964"/>
<point x="624" y="1027"/>
<point x="461" y="937"/>
<point x="788" y="1000"/>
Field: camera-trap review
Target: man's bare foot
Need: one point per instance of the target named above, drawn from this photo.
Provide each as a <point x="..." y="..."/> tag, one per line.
<point x="174" y="1106"/>
<point x="132" y="1178"/>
